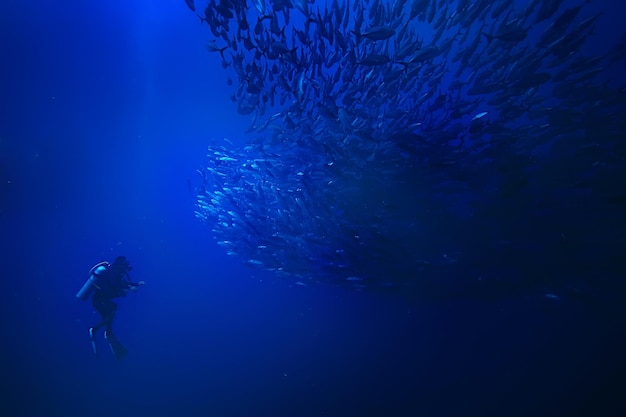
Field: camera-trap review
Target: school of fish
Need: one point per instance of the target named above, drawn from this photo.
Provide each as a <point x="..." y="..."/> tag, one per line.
<point x="401" y="142"/>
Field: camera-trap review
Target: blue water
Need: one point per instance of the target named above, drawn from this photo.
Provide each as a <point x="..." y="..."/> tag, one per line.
<point x="107" y="111"/>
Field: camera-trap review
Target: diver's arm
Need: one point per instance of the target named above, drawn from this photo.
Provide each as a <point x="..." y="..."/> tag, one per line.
<point x="134" y="285"/>
<point x="130" y="285"/>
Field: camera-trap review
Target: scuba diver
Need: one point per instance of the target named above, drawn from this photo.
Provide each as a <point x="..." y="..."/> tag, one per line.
<point x="108" y="281"/>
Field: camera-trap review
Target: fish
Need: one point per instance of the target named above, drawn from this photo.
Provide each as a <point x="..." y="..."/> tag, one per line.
<point x="375" y="33"/>
<point x="547" y="9"/>
<point x="424" y="54"/>
<point x="512" y="35"/>
<point x="302" y="6"/>
<point x="374" y="59"/>
<point x="259" y="5"/>
<point x="211" y="46"/>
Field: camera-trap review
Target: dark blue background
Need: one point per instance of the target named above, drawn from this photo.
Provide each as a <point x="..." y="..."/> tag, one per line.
<point x="107" y="108"/>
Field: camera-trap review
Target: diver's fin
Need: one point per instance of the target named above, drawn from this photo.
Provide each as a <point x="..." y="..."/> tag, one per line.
<point x="92" y="336"/>
<point x="118" y="349"/>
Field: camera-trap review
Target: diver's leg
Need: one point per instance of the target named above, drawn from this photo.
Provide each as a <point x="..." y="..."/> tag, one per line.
<point x="109" y="320"/>
<point x="92" y="335"/>
<point x="108" y="329"/>
<point x="106" y="311"/>
<point x="116" y="347"/>
<point x="97" y="327"/>
<point x="101" y="306"/>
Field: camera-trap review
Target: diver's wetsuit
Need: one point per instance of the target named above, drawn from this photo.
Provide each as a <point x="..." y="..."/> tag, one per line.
<point x="115" y="285"/>
<point x="106" y="308"/>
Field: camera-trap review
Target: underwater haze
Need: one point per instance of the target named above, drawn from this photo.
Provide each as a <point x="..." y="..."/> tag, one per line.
<point x="338" y="207"/>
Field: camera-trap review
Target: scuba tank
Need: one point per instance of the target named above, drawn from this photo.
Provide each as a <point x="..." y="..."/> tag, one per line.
<point x="94" y="282"/>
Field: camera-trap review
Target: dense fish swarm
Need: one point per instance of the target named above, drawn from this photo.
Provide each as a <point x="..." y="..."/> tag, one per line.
<point x="397" y="142"/>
